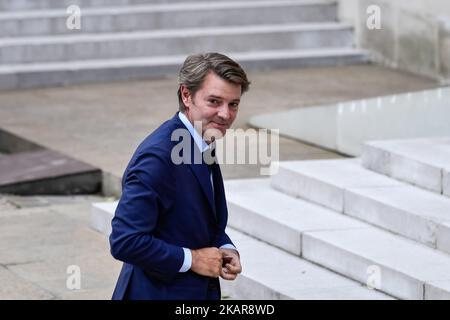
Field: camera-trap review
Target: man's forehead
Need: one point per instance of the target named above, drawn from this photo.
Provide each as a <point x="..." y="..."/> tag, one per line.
<point x="214" y="85"/>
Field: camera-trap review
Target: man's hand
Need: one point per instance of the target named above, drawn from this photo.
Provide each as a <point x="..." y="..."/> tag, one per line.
<point x="232" y="268"/>
<point x="207" y="262"/>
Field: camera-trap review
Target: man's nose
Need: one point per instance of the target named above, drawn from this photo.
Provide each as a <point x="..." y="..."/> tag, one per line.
<point x="224" y="112"/>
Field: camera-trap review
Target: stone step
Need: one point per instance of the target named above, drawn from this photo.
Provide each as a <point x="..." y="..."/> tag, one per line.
<point x="270" y="273"/>
<point x="47" y="172"/>
<point x="20" y="5"/>
<point x="295" y="226"/>
<point x="175" y="42"/>
<point x="269" y="215"/>
<point x="421" y="162"/>
<point x="411" y="212"/>
<point x="24" y="76"/>
<point x="439" y="290"/>
<point x="325" y="181"/>
<point x="397" y="266"/>
<point x="345" y="186"/>
<point x="167" y="16"/>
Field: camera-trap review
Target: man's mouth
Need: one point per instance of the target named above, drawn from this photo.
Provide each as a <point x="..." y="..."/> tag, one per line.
<point x="220" y="125"/>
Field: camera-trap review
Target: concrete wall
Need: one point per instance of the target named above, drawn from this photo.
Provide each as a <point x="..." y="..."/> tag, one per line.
<point x="414" y="34"/>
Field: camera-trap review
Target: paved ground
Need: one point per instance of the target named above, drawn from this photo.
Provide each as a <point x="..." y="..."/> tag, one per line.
<point x="40" y="237"/>
<point x="102" y="125"/>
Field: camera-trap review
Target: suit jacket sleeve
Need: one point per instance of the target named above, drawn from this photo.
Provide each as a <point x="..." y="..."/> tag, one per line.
<point x="147" y="189"/>
<point x="222" y="239"/>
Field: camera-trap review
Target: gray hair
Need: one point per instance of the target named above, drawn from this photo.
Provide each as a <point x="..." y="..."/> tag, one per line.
<point x="197" y="66"/>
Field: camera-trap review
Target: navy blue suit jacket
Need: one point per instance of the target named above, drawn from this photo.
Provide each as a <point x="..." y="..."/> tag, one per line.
<point x="163" y="208"/>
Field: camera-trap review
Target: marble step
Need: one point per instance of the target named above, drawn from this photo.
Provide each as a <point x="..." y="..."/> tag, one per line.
<point x="325" y="181"/>
<point x="399" y="267"/>
<point x="422" y="162"/>
<point x="269" y="215"/>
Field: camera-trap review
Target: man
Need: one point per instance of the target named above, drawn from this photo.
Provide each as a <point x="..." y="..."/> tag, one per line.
<point x="169" y="225"/>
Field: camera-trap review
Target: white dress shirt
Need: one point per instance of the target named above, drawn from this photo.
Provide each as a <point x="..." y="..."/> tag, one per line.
<point x="203" y="146"/>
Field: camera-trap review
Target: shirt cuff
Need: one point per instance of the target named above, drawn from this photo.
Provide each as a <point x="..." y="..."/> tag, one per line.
<point x="228" y="246"/>
<point x="187" y="263"/>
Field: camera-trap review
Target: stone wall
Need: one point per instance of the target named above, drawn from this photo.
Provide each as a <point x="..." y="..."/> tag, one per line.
<point x="414" y="34"/>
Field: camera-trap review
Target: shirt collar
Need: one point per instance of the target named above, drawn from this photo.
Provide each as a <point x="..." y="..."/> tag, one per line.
<point x="199" y="141"/>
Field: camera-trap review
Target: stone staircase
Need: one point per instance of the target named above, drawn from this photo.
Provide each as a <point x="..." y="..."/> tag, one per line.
<point x="330" y="229"/>
<point x="344" y="217"/>
<point x="138" y="39"/>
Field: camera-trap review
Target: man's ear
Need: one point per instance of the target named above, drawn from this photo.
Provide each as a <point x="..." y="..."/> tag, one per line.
<point x="186" y="95"/>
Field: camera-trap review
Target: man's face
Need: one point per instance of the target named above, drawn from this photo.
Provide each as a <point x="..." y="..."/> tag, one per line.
<point x="215" y="105"/>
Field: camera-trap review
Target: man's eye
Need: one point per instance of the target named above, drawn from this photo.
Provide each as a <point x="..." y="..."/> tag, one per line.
<point x="234" y="105"/>
<point x="213" y="101"/>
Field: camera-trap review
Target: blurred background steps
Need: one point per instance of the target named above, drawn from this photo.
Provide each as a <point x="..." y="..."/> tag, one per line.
<point x="151" y="16"/>
<point x="125" y="40"/>
<point x="31" y="75"/>
<point x="174" y="42"/>
<point x="13" y="5"/>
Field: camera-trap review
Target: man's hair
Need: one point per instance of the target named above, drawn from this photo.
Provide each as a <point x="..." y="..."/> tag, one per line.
<point x="197" y="66"/>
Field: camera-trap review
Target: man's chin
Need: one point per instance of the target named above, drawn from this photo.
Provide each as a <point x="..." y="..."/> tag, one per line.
<point x="212" y="134"/>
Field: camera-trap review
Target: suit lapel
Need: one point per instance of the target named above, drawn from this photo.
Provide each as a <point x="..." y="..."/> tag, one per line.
<point x="200" y="170"/>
